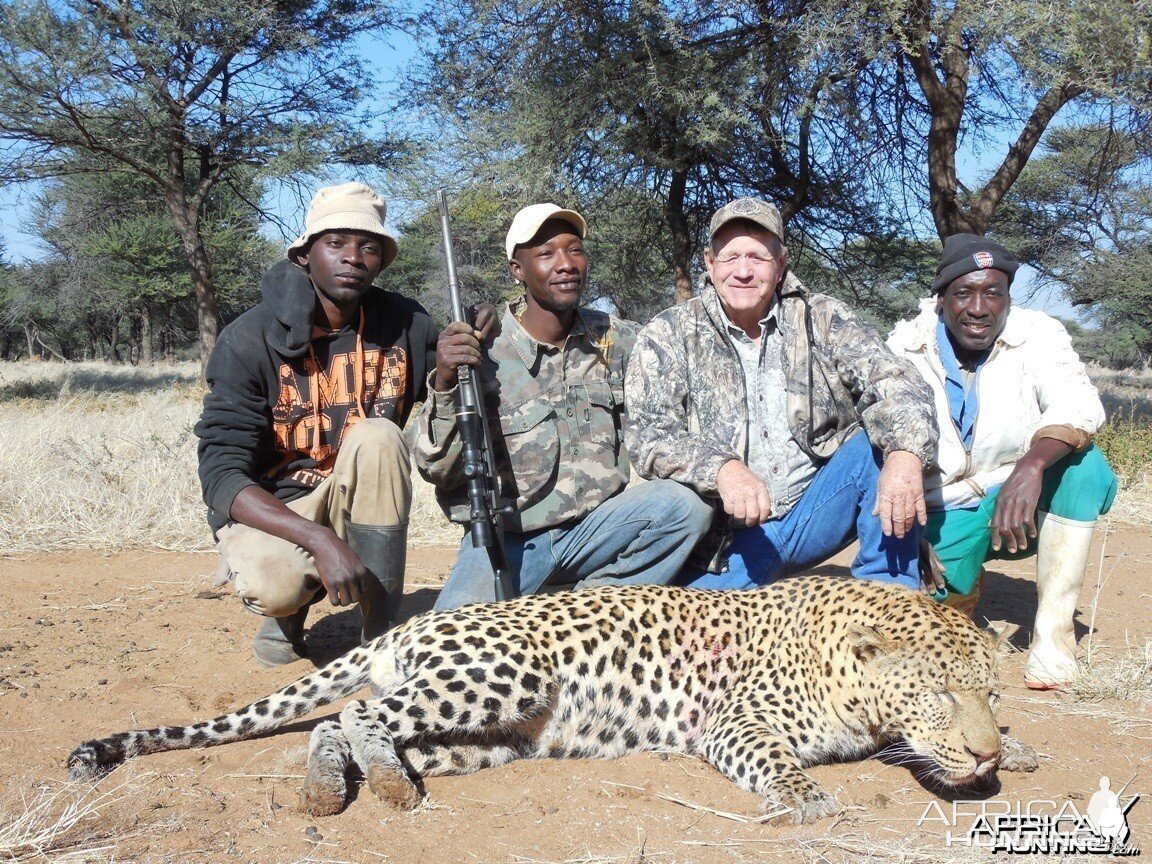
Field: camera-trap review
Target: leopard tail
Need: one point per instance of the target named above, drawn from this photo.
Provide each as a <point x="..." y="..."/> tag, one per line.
<point x="340" y="678"/>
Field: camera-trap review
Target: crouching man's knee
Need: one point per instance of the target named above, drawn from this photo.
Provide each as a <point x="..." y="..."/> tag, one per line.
<point x="373" y="474"/>
<point x="273" y="577"/>
<point x="680" y="507"/>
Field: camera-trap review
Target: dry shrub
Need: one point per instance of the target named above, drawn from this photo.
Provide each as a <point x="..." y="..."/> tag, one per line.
<point x="1128" y="445"/>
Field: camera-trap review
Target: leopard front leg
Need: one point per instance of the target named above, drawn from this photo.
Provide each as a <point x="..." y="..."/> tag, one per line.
<point x="329" y="755"/>
<point x="756" y="757"/>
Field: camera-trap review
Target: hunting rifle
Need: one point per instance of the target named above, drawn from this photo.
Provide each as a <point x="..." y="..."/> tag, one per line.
<point x="476" y="450"/>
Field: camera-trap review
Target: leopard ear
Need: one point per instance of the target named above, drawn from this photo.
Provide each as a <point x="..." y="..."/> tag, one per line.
<point x="869" y="642"/>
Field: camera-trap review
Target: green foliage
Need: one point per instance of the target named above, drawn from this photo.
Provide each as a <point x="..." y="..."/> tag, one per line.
<point x="1128" y="445"/>
<point x="883" y="277"/>
<point x="1082" y="216"/>
<point x="648" y="117"/>
<point x="115" y="271"/>
<point x="480" y="216"/>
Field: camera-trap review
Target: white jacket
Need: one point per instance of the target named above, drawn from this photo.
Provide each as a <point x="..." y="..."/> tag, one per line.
<point x="1032" y="386"/>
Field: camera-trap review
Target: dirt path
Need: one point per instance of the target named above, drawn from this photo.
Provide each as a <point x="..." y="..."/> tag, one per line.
<point x="92" y="645"/>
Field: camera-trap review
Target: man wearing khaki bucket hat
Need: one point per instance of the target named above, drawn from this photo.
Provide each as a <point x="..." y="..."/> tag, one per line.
<point x="302" y="462"/>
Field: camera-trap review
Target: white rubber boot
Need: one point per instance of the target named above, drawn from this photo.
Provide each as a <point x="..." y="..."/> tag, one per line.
<point x="1061" y="559"/>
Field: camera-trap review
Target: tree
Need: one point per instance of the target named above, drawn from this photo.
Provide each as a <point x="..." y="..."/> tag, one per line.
<point x="1081" y="215"/>
<point x="187" y="96"/>
<point x="652" y="114"/>
<point x="114" y="282"/>
<point x="119" y="254"/>
<point x="1002" y="72"/>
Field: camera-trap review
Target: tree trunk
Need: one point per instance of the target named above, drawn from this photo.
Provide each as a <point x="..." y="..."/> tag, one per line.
<point x="146" y="334"/>
<point x="203" y="288"/>
<point x="31" y="341"/>
<point x="114" y="341"/>
<point x="682" y="245"/>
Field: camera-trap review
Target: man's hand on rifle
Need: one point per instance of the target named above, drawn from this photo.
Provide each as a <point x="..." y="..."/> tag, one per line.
<point x="459" y="344"/>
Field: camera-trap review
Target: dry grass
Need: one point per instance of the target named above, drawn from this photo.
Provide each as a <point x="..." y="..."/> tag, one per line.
<point x="61" y="824"/>
<point x="1125" y="676"/>
<point x="102" y="456"/>
<point x="1125" y="394"/>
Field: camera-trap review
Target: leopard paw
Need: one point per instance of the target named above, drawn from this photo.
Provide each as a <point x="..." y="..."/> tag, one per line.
<point x="324" y="792"/>
<point x="795" y="807"/>
<point x="392" y="786"/>
<point x="1015" y="755"/>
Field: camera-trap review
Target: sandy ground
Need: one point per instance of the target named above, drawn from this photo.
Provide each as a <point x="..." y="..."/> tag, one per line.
<point x="92" y="645"/>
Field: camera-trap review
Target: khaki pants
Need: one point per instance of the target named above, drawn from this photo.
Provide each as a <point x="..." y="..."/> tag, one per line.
<point x="370" y="484"/>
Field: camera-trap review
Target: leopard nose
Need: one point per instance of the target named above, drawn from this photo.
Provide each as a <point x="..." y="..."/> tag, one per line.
<point x="981" y="758"/>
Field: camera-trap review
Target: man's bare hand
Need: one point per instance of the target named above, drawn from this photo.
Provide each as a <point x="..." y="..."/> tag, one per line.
<point x="1014" y="518"/>
<point x="900" y="494"/>
<point x="458" y="345"/>
<point x="744" y="494"/>
<point x="486" y="321"/>
<point x="340" y="569"/>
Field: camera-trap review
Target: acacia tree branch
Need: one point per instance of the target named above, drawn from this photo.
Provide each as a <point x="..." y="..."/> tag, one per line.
<point x="1021" y="150"/>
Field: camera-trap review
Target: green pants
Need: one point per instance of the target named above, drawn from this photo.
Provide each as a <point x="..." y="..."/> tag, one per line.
<point x="1081" y="486"/>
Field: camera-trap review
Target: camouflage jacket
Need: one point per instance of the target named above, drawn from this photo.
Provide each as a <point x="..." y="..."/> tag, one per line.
<point x="686" y="399"/>
<point x="555" y="417"/>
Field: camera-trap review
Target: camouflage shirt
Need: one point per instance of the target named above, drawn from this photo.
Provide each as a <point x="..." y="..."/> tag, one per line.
<point x="555" y="417"/>
<point x="687" y="403"/>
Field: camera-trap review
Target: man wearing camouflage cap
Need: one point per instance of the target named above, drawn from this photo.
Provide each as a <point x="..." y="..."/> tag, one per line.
<point x="787" y="411"/>
<point x="553" y="385"/>
<point x="1015" y="460"/>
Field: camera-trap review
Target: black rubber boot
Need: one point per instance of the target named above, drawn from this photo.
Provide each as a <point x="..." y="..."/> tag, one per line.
<point x="280" y="641"/>
<point x="382" y="548"/>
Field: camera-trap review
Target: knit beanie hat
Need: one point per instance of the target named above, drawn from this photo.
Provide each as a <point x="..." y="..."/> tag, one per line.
<point x="347" y="207"/>
<point x="967" y="253"/>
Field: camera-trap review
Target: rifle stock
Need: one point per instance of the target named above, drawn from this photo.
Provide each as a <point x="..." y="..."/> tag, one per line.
<point x="476" y="450"/>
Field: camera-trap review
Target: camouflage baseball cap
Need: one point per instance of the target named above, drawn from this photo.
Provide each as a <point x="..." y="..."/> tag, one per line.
<point x="755" y="210"/>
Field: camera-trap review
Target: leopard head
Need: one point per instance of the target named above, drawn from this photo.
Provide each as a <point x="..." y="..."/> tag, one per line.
<point x="933" y="677"/>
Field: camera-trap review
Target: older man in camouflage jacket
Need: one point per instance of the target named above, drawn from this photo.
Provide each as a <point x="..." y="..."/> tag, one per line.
<point x="553" y="384"/>
<point x="754" y="394"/>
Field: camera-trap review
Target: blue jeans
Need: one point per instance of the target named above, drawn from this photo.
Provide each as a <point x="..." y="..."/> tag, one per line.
<point x="835" y="509"/>
<point x="642" y="536"/>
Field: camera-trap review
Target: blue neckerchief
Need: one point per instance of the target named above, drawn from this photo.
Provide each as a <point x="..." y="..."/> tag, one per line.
<point x="962" y="405"/>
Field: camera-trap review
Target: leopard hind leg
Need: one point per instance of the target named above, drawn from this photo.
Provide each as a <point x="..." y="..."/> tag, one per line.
<point x="435" y="759"/>
<point x="329" y="755"/>
<point x="494" y="708"/>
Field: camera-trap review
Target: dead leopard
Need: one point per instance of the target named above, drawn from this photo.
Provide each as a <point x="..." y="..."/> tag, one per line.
<point x="760" y="684"/>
